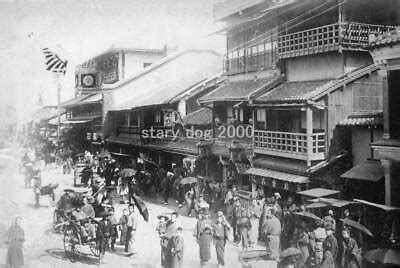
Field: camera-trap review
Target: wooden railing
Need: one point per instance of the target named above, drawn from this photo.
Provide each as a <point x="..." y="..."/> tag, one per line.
<point x="289" y="144"/>
<point x="129" y="130"/>
<point x="326" y="38"/>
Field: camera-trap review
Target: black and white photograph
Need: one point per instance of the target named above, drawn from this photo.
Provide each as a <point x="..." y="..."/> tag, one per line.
<point x="199" y="133"/>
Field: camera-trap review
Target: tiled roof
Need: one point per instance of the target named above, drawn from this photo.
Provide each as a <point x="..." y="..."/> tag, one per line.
<point x="291" y="91"/>
<point x="237" y="90"/>
<point x="388" y="38"/>
<point x="368" y="171"/>
<point x="202" y="116"/>
<point x="363" y="120"/>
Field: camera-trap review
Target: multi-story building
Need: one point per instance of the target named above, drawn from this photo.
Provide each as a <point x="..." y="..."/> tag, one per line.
<point x="147" y="113"/>
<point x="321" y="96"/>
<point x="85" y="111"/>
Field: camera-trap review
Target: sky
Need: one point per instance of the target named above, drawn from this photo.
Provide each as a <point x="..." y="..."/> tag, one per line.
<point x="80" y="29"/>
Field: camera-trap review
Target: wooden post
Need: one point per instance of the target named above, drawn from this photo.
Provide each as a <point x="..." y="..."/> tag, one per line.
<point x="387" y="168"/>
<point x="384" y="76"/>
<point x="309" y="132"/>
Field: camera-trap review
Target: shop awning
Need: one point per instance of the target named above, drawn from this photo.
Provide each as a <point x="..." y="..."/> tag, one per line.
<point x="318" y="192"/>
<point x="74" y="101"/>
<point x="332" y="202"/>
<point x="268" y="173"/>
<point x="384" y="207"/>
<point x="96" y="98"/>
<point x="367" y="171"/>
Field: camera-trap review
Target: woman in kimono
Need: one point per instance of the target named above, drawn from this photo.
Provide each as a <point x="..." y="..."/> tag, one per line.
<point x="15" y="240"/>
<point x="176" y="248"/>
<point x="203" y="234"/>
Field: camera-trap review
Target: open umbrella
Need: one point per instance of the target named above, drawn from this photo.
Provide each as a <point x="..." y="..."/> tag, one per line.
<point x="127" y="172"/>
<point x="357" y="226"/>
<point x="383" y="256"/>
<point x="290" y="252"/>
<point x="309" y="215"/>
<point x="188" y="180"/>
<point x="142" y="207"/>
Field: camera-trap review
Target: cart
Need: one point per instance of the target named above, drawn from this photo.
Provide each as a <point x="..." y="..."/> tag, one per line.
<point x="73" y="240"/>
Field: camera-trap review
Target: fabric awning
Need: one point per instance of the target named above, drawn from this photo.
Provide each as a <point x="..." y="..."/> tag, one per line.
<point x="318" y="192"/>
<point x="367" y="171"/>
<point x="268" y="173"/>
<point x="96" y="98"/>
<point x="74" y="101"/>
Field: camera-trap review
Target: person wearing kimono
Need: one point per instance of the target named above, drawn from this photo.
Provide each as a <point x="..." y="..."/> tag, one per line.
<point x="271" y="229"/>
<point x="164" y="239"/>
<point x="351" y="253"/>
<point x="328" y="260"/>
<point x="175" y="250"/>
<point x="220" y="235"/>
<point x="15" y="240"/>
<point x="303" y="243"/>
<point x="123" y="227"/>
<point x="103" y="234"/>
<point x="255" y="214"/>
<point x="203" y="234"/>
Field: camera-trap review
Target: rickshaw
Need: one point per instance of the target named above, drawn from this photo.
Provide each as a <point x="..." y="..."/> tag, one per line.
<point x="73" y="239"/>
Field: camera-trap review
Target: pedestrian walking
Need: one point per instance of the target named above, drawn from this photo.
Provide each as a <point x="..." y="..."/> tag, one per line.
<point x="131" y="231"/>
<point x="332" y="242"/>
<point x="243" y="226"/>
<point x="203" y="234"/>
<point x="15" y="240"/>
<point x="351" y="253"/>
<point x="236" y="215"/>
<point x="175" y="250"/>
<point x="255" y="214"/>
<point x="303" y="243"/>
<point x="114" y="230"/>
<point x="272" y="231"/>
<point x="220" y="235"/>
<point x="123" y="228"/>
<point x="103" y="234"/>
<point x="328" y="260"/>
<point x="164" y="239"/>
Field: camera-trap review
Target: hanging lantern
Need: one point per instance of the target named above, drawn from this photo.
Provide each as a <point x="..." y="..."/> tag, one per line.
<point x="273" y="183"/>
<point x="88" y="136"/>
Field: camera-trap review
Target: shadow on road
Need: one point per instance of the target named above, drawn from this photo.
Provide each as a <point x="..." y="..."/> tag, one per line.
<point x="58" y="253"/>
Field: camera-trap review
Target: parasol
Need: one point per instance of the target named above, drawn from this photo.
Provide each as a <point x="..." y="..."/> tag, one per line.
<point x="383" y="256"/>
<point x="127" y="172"/>
<point x="357" y="225"/>
<point x="309" y="215"/>
<point x="142" y="207"/>
<point x="188" y="180"/>
<point x="289" y="252"/>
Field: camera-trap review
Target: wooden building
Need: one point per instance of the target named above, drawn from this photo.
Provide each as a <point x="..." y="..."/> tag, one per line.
<point x="328" y="98"/>
<point x="92" y="77"/>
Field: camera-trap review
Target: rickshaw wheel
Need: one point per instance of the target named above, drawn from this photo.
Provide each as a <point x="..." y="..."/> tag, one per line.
<point x="94" y="248"/>
<point x="71" y="242"/>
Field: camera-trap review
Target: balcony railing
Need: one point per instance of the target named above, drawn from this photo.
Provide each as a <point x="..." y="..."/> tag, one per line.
<point x="251" y="59"/>
<point x="289" y="144"/>
<point x="129" y="130"/>
<point x="330" y="37"/>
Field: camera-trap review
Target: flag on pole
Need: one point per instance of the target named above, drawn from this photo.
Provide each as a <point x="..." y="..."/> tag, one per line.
<point x="53" y="62"/>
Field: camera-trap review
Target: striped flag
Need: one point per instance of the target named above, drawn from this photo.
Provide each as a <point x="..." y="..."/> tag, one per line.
<point x="53" y="62"/>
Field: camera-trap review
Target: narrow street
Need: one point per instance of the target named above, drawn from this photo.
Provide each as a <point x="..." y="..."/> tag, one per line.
<point x="44" y="248"/>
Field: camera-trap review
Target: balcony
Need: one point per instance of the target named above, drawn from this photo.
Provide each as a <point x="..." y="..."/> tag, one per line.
<point x="290" y="145"/>
<point x="130" y="130"/>
<point x="332" y="37"/>
<point x="226" y="8"/>
<point x="252" y="59"/>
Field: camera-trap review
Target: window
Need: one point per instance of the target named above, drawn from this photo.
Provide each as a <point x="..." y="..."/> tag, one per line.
<point x="229" y="112"/>
<point x="261" y="115"/>
<point x="147" y="64"/>
<point x="367" y="95"/>
<point x="133" y="120"/>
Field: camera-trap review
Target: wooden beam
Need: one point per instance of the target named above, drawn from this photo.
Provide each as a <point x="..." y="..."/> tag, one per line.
<point x="309" y="132"/>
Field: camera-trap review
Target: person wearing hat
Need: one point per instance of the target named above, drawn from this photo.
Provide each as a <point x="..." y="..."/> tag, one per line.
<point x="103" y="234"/>
<point x="350" y="252"/>
<point x="175" y="250"/>
<point x="203" y="234"/>
<point x="331" y="242"/>
<point x="220" y="235"/>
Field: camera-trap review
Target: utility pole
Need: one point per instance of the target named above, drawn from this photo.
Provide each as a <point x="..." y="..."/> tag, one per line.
<point x="58" y="79"/>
